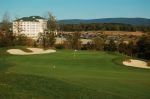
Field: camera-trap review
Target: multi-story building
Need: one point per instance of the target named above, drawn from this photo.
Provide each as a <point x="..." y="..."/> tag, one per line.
<point x="30" y="26"/>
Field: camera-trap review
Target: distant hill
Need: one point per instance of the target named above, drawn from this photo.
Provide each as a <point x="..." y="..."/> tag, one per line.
<point x="132" y="21"/>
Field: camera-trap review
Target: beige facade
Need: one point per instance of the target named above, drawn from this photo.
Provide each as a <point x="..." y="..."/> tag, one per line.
<point x="30" y="28"/>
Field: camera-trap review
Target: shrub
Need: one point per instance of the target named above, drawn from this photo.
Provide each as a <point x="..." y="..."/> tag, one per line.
<point x="59" y="46"/>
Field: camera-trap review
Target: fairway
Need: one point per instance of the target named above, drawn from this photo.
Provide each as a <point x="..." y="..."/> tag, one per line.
<point x="71" y="75"/>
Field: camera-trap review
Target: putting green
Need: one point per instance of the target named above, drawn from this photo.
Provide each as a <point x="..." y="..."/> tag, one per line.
<point x="85" y="75"/>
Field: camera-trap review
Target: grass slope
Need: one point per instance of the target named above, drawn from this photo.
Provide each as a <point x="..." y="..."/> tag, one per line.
<point x="61" y="75"/>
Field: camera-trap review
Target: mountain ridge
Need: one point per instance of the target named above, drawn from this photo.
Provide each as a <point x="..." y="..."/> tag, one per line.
<point x="131" y="21"/>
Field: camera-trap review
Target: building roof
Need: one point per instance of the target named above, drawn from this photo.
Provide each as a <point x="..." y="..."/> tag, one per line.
<point x="31" y="18"/>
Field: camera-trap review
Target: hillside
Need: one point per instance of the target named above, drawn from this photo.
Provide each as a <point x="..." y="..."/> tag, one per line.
<point x="132" y="21"/>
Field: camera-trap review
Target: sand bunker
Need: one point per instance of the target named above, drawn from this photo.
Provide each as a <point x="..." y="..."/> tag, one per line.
<point x="34" y="51"/>
<point x="136" y="63"/>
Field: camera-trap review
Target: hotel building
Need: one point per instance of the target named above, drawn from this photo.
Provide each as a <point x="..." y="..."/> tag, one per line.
<point x="30" y="26"/>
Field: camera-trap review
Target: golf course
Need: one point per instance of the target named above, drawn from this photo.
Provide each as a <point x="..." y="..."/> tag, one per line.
<point x="69" y="74"/>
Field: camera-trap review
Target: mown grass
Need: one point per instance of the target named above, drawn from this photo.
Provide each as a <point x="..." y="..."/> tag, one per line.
<point x="85" y="75"/>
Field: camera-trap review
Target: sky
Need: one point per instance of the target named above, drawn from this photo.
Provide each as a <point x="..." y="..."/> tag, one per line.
<point x="76" y="9"/>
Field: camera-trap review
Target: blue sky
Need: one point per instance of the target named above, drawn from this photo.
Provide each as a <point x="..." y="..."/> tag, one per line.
<point x="77" y="9"/>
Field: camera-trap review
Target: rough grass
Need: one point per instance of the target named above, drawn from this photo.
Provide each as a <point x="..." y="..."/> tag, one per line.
<point x="87" y="75"/>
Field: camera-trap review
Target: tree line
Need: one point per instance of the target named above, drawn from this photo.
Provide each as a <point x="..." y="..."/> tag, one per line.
<point x="103" y="26"/>
<point x="139" y="47"/>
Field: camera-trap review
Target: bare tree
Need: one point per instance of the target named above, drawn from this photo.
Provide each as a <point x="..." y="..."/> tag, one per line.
<point x="6" y="34"/>
<point x="17" y="28"/>
<point x="52" y="25"/>
<point x="98" y="43"/>
<point x="47" y="39"/>
<point x="74" y="40"/>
